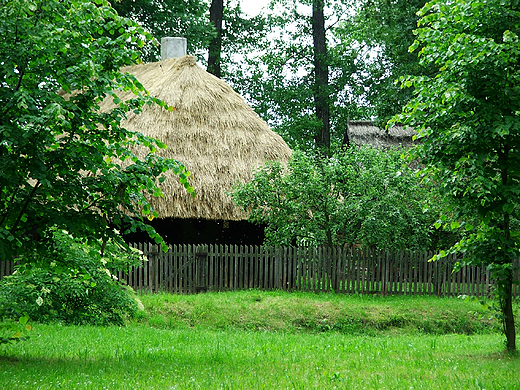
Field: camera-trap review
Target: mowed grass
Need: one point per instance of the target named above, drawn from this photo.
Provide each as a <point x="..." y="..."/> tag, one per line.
<point x="191" y="352"/>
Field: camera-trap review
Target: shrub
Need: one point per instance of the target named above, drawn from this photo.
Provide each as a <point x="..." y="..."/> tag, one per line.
<point x="76" y="286"/>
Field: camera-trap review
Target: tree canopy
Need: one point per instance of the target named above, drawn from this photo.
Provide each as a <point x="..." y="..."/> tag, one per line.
<point x="64" y="163"/>
<point x="361" y="196"/>
<point x="468" y="116"/>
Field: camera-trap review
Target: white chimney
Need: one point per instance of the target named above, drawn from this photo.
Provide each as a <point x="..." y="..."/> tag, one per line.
<point x="173" y="47"/>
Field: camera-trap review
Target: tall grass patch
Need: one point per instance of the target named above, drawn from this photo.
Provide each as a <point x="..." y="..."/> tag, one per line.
<point x="307" y="312"/>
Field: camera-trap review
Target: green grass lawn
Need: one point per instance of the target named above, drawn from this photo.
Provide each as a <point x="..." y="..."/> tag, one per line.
<point x="215" y="341"/>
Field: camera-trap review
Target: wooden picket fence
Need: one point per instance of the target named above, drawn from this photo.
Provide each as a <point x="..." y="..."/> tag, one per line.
<point x="188" y="269"/>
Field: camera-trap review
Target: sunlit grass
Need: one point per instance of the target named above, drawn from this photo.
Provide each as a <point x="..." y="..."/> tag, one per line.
<point x="146" y="356"/>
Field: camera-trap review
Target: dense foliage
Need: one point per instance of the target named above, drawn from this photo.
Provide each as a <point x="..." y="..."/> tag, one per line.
<point x="63" y="162"/>
<point x="360" y="196"/>
<point x="468" y="116"/>
<point x="77" y="285"/>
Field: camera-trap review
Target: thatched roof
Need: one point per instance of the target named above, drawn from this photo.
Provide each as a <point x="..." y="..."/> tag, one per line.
<point x="213" y="132"/>
<point x="366" y="132"/>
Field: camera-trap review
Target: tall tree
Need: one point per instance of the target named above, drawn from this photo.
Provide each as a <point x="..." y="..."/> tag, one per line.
<point x="216" y="13"/>
<point x="321" y="73"/>
<point x="64" y="164"/>
<point x="468" y="116"/>
<point x="278" y="76"/>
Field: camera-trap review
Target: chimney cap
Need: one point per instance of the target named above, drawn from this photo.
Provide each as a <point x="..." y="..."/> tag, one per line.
<point x="173" y="47"/>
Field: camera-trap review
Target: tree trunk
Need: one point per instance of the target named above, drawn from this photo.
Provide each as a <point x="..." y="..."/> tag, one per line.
<point x="346" y="136"/>
<point x="216" y="12"/>
<point x="321" y="73"/>
<point x="507" y="312"/>
<point x="507" y="297"/>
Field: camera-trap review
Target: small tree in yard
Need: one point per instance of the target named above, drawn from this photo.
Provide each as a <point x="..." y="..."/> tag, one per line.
<point x="468" y="118"/>
<point x="359" y="195"/>
<point x="64" y="164"/>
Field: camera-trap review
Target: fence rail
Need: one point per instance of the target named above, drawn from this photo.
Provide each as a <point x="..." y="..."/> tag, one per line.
<point x="188" y="269"/>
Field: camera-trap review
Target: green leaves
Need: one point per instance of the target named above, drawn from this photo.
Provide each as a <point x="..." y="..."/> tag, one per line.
<point x="356" y="196"/>
<point x="469" y="128"/>
<point x="63" y="163"/>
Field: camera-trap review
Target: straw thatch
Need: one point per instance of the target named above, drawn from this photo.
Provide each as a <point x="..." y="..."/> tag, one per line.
<point x="213" y="132"/>
<point x="366" y="132"/>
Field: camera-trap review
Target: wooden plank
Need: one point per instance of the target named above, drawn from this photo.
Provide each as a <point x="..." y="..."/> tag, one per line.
<point x="335" y="269"/>
<point x="402" y="272"/>
<point x="144" y="270"/>
<point x="183" y="264"/>
<point x="267" y="268"/>
<point x="325" y="275"/>
<point x="358" y="264"/>
<point x="218" y="266"/>
<point x="227" y="266"/>
<point x="183" y="283"/>
<point x="372" y="272"/>
<point x="268" y="272"/>
<point x="171" y="269"/>
<point x="291" y="269"/>
<point x="154" y="278"/>
<point x="287" y="268"/>
<point x="305" y="272"/>
<point x="406" y="272"/>
<point x="255" y="266"/>
<point x="278" y="269"/>
<point x="277" y="279"/>
<point x="174" y="275"/>
<point x="235" y="260"/>
<point x="259" y="273"/>
<point x="423" y="276"/>
<point x="425" y="284"/>
<point x="429" y="279"/>
<point x="243" y="264"/>
<point x="190" y="276"/>
<point x="363" y="265"/>
<point x="245" y="267"/>
<point x="260" y="266"/>
<point x="301" y="269"/>
<point x="178" y="270"/>
<point x="416" y="264"/>
<point x="319" y="269"/>
<point x="385" y="263"/>
<point x="347" y="270"/>
<point x="340" y="270"/>
<point x="211" y="268"/>
<point x="315" y="269"/>
<point x="161" y="274"/>
<point x="447" y="276"/>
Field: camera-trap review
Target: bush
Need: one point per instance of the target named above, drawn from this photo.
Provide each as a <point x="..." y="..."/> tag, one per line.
<point x="76" y="286"/>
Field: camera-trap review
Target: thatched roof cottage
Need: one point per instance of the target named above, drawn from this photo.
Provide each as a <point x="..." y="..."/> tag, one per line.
<point x="217" y="136"/>
<point x="366" y="132"/>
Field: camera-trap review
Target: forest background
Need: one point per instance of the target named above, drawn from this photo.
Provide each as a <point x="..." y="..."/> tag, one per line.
<point x="306" y="67"/>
